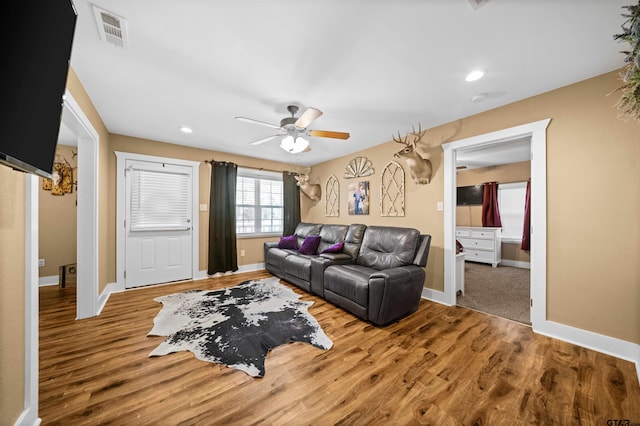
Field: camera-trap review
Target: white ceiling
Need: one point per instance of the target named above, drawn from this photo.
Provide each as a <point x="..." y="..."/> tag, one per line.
<point x="374" y="67"/>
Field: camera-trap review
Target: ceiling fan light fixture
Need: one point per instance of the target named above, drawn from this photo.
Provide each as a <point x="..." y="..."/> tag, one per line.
<point x="475" y="75"/>
<point x="294" y="146"/>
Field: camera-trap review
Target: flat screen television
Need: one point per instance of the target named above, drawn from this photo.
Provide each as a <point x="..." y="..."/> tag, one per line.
<point x="36" y="55"/>
<point x="469" y="195"/>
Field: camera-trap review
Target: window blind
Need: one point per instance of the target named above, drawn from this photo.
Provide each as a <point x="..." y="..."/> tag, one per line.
<point x="159" y="200"/>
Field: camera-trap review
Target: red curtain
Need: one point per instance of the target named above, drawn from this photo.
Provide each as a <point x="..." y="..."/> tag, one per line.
<point x="490" y="210"/>
<point x="526" y="229"/>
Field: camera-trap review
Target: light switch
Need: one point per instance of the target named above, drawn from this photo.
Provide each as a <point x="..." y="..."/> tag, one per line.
<point x="203" y="207"/>
<point x="440" y="206"/>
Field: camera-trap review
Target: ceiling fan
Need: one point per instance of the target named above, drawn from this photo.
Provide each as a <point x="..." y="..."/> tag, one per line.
<point x="292" y="128"/>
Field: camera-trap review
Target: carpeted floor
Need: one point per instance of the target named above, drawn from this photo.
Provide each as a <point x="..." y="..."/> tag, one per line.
<point x="502" y="291"/>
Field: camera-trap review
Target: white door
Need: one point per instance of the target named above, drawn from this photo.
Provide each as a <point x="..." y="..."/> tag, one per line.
<point x="158" y="226"/>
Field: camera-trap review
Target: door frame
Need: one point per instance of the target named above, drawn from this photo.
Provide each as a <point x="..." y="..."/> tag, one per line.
<point x="121" y="159"/>
<point x="537" y="131"/>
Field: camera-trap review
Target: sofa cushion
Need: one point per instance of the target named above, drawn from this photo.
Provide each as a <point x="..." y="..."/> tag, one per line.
<point x="353" y="240"/>
<point x="385" y="247"/>
<point x="310" y="244"/>
<point x="303" y="229"/>
<point x="299" y="266"/>
<point x="336" y="248"/>
<point x="331" y="234"/>
<point x="349" y="281"/>
<point x="275" y="257"/>
<point x="288" y="242"/>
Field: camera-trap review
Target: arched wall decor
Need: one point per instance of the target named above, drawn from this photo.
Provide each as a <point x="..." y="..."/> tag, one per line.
<point x="392" y="190"/>
<point x="332" y="197"/>
<point x="359" y="167"/>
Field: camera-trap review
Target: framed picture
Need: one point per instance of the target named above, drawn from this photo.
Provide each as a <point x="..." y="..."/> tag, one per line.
<point x="358" y="198"/>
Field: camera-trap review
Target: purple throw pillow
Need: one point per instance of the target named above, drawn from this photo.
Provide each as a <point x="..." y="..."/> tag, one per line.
<point x="310" y="244"/>
<point x="336" y="248"/>
<point x="288" y="242"/>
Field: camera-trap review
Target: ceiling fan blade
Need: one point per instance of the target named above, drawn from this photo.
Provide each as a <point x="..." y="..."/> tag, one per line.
<point x="308" y="117"/>
<point x="263" y="140"/>
<point x="328" y="134"/>
<point x="251" y="120"/>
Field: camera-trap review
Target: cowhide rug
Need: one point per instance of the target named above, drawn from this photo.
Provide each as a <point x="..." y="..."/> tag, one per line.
<point x="236" y="326"/>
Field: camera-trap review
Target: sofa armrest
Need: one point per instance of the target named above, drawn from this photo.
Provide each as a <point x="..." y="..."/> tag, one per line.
<point x="268" y="245"/>
<point x="337" y="256"/>
<point x="394" y="293"/>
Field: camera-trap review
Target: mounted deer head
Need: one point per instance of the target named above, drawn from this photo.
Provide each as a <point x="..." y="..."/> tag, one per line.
<point x="420" y="168"/>
<point x="312" y="191"/>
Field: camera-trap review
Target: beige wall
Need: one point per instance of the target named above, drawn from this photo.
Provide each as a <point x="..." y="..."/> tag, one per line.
<point x="252" y="246"/>
<point x="12" y="270"/>
<point x="420" y="201"/>
<point x="58" y="221"/>
<point x="472" y="215"/>
<point x="593" y="167"/>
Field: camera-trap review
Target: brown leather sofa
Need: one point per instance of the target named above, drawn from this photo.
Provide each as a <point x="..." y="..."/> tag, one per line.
<point x="378" y="276"/>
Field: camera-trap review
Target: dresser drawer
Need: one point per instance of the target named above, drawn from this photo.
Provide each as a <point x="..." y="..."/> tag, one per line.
<point x="477" y="244"/>
<point x="463" y="232"/>
<point x="478" y="255"/>
<point x="483" y="234"/>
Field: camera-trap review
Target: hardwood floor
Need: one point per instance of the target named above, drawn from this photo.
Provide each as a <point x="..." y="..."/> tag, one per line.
<point x="441" y="365"/>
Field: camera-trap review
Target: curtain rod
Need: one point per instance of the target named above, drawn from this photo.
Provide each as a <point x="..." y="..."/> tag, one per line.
<point x="252" y="168"/>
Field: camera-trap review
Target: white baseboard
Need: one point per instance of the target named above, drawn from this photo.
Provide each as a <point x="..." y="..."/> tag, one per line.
<point x="50" y="280"/>
<point x="598" y="342"/>
<point x="435" y="296"/>
<point x="516" y="263"/>
<point x="104" y="297"/>
<point x="28" y="418"/>
<point x="242" y="268"/>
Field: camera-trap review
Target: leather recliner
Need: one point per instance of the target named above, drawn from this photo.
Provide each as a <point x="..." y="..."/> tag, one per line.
<point x="385" y="283"/>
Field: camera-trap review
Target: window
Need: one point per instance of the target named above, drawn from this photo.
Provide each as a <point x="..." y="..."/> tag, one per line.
<point x="259" y="208"/>
<point x="160" y="198"/>
<point x="511" y="200"/>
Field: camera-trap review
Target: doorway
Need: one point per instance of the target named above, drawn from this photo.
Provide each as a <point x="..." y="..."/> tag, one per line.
<point x="180" y="248"/>
<point x="537" y="132"/>
<point x="158" y="216"/>
<point x="494" y="271"/>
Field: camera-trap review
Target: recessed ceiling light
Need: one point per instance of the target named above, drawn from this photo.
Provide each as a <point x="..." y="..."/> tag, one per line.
<point x="474" y="75"/>
<point x="186" y="129"/>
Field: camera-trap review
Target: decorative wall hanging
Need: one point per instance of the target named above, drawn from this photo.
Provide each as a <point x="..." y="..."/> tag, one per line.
<point x="359" y="167"/>
<point x="358" y="198"/>
<point x="629" y="103"/>
<point x="392" y="190"/>
<point x="420" y="168"/>
<point x="312" y="191"/>
<point x="62" y="182"/>
<point x="332" y="197"/>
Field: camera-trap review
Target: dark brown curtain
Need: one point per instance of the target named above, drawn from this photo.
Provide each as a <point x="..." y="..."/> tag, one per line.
<point x="526" y="229"/>
<point x="490" y="210"/>
<point x="291" y="203"/>
<point x="222" y="218"/>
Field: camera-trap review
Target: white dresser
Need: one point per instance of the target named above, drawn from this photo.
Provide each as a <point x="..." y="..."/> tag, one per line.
<point x="481" y="244"/>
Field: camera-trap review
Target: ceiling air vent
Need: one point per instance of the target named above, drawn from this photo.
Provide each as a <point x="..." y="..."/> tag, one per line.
<point x="477" y="3"/>
<point x="112" y="28"/>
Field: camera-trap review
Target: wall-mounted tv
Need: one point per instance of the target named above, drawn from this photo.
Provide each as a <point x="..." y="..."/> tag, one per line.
<point x="469" y="195"/>
<point x="35" y="64"/>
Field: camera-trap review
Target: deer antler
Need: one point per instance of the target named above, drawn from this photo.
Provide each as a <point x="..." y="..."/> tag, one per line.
<point x="417" y="134"/>
<point x="400" y="140"/>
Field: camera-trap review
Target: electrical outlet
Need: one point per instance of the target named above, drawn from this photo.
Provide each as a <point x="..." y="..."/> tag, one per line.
<point x="242" y="253"/>
<point x="439" y="206"/>
<point x="40" y="263"/>
<point x="203" y="207"/>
